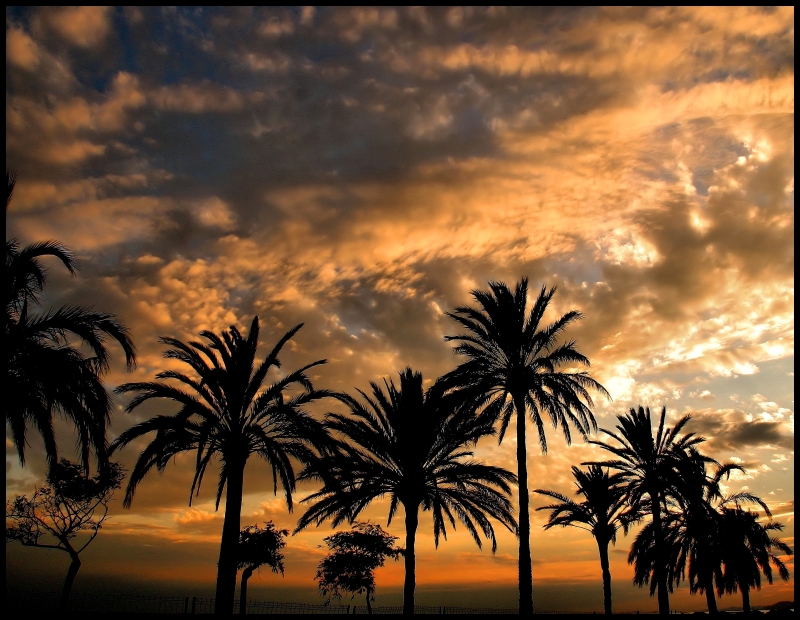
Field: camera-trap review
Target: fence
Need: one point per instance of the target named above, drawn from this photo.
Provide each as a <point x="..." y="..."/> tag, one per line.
<point x="86" y="603"/>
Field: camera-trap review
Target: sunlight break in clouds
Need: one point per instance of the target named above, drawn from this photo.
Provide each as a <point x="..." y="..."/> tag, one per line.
<point x="361" y="170"/>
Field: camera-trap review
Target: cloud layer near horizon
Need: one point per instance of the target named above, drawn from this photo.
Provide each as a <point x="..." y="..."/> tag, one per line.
<point x="362" y="170"/>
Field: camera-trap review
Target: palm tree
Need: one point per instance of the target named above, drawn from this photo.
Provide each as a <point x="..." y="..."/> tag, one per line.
<point x="698" y="525"/>
<point x="644" y="552"/>
<point x="513" y="366"/>
<point x="44" y="373"/>
<point x="603" y="512"/>
<point x="228" y="413"/>
<point x="649" y="467"/>
<point x="747" y="552"/>
<point x="411" y="445"/>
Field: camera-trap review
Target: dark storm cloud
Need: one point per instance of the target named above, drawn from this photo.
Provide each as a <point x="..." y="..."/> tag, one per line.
<point x="733" y="430"/>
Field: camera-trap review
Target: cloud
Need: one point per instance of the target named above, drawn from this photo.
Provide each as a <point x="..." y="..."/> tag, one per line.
<point x="731" y="430"/>
<point x="194" y="99"/>
<point x="362" y="170"/>
<point x="85" y="27"/>
<point x="21" y="50"/>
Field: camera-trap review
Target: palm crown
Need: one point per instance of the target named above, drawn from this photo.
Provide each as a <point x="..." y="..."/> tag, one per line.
<point x="604" y="509"/>
<point x="44" y="372"/>
<point x="508" y="354"/>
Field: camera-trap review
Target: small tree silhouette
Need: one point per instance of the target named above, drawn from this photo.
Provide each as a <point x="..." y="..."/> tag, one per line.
<point x="70" y="503"/>
<point x="259" y="547"/>
<point x="354" y="556"/>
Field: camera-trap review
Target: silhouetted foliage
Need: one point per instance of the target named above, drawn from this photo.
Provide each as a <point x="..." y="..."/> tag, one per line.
<point x="259" y="547"/>
<point x="697" y="525"/>
<point x="747" y="552"/>
<point x="44" y="373"/>
<point x="603" y="512"/>
<point x="512" y="368"/>
<point x="649" y="466"/>
<point x="354" y="556"/>
<point x="65" y="514"/>
<point x="412" y="445"/>
<point x="229" y="413"/>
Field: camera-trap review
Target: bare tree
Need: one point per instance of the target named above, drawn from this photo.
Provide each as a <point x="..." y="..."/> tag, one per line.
<point x="66" y="514"/>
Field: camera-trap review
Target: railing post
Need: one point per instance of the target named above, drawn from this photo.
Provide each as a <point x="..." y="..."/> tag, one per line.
<point x="194" y="604"/>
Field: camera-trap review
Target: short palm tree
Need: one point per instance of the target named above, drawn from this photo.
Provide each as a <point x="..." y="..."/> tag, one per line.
<point x="649" y="467"/>
<point x="412" y="445"/>
<point x="697" y="522"/>
<point x="514" y="365"/>
<point x="602" y="513"/>
<point x="748" y="552"/>
<point x="228" y="413"/>
<point x="44" y="372"/>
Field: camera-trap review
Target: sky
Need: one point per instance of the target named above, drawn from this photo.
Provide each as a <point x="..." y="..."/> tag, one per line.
<point x="361" y="171"/>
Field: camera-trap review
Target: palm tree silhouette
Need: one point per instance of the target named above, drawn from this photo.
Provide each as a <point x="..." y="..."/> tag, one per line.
<point x="747" y="552"/>
<point x="697" y="523"/>
<point x="228" y="413"/>
<point x="513" y="367"/>
<point x="44" y="373"/>
<point x="649" y="468"/>
<point x="603" y="512"/>
<point x="411" y="445"/>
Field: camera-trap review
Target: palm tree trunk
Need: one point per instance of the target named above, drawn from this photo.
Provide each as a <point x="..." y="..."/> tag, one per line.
<point x="745" y="599"/>
<point x="412" y="521"/>
<point x="227" y="566"/>
<point x="525" y="570"/>
<point x="243" y="594"/>
<point x="369" y="606"/>
<point x="711" y="600"/>
<point x="603" y="546"/>
<point x="71" y="573"/>
<point x="660" y="567"/>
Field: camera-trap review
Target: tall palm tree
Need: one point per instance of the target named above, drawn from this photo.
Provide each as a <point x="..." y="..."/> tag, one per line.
<point x="412" y="445"/>
<point x="44" y="372"/>
<point x="228" y="413"/>
<point x="514" y="366"/>
<point x="602" y="513"/>
<point x="649" y="467"/>
<point x="748" y="552"/>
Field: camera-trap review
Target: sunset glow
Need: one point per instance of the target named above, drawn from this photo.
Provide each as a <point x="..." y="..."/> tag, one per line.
<point x="361" y="171"/>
